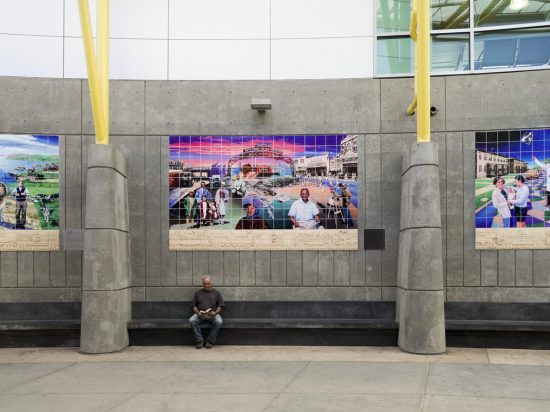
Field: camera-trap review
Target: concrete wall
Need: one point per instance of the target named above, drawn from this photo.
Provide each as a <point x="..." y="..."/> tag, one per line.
<point x="143" y="114"/>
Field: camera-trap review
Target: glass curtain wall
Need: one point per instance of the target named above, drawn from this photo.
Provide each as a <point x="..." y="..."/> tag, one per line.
<point x="467" y="35"/>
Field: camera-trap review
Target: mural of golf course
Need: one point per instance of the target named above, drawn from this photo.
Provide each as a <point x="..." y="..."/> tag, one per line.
<point x="29" y="192"/>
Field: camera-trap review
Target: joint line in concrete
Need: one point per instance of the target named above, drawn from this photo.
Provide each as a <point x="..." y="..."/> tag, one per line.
<point x="106" y="228"/>
<point x="106" y="290"/>
<point x="419" y="290"/>
<point x="419" y="164"/>
<point x="108" y="167"/>
<point x="419" y="227"/>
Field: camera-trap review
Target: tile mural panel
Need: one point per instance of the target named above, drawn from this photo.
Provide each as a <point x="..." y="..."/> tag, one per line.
<point x="29" y="192"/>
<point x="512" y="189"/>
<point x="221" y="185"/>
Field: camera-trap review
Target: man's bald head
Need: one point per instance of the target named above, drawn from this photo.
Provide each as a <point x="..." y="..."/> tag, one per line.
<point x="207" y="282"/>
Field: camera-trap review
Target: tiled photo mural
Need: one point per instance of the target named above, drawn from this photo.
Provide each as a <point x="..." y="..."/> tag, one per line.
<point x="232" y="183"/>
<point x="512" y="189"/>
<point x="29" y="192"/>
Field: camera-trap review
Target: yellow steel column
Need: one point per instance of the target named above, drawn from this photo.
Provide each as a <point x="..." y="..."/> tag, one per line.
<point x="103" y="61"/>
<point x="412" y="107"/>
<point x="423" y="71"/>
<point x="99" y="109"/>
<point x="420" y="34"/>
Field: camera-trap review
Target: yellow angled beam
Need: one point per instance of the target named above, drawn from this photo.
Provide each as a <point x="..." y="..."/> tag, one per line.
<point x="98" y="110"/>
<point x="102" y="57"/>
<point x="412" y="107"/>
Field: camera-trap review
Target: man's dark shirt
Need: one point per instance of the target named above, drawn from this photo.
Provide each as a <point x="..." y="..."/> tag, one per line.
<point x="207" y="299"/>
<point x="247" y="223"/>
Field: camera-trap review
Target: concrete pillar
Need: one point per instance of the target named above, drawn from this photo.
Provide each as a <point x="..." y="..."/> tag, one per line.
<point x="106" y="292"/>
<point x="420" y="298"/>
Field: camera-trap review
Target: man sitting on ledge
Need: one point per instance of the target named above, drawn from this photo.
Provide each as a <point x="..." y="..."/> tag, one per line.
<point x="303" y="213"/>
<point x="207" y="305"/>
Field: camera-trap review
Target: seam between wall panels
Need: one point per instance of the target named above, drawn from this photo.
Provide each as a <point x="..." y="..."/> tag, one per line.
<point x="145" y="187"/>
<point x="168" y="55"/>
<point x="463" y="200"/>
<point x="380" y="194"/>
<point x="270" y="40"/>
<point x="63" y="68"/>
<point x="446" y="216"/>
<point x="162" y="255"/>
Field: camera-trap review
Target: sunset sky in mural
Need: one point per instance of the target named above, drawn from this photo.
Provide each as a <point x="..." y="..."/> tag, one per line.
<point x="207" y="150"/>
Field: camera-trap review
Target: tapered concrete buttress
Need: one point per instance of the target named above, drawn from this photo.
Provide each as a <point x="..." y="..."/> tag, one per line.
<point x="420" y="299"/>
<point x="106" y="283"/>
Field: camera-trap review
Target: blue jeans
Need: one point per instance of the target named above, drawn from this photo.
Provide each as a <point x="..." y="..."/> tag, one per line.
<point x="196" y="321"/>
<point x="506" y="221"/>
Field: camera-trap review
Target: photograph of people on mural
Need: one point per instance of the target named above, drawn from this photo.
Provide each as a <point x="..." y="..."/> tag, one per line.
<point x="263" y="182"/>
<point x="29" y="182"/>
<point x="512" y="186"/>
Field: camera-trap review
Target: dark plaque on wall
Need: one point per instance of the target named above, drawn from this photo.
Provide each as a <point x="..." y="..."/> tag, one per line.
<point x="375" y="239"/>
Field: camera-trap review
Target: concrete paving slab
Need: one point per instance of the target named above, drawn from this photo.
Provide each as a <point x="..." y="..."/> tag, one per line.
<point x="364" y="378"/>
<point x="519" y="357"/>
<point x="16" y="374"/>
<point x="262" y="378"/>
<point x="101" y="377"/>
<point x="347" y="402"/>
<point x="229" y="377"/>
<point x="461" y="404"/>
<point x="245" y="353"/>
<point x="195" y="403"/>
<point x="61" y="402"/>
<point x="511" y="381"/>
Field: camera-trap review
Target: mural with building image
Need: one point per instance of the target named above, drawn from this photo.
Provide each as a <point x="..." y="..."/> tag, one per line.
<point x="279" y="183"/>
<point x="512" y="189"/>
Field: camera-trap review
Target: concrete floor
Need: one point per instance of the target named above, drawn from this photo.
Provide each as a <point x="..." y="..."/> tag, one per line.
<point x="281" y="378"/>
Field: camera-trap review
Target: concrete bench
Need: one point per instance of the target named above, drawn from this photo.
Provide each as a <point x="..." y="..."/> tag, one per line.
<point x="507" y="325"/>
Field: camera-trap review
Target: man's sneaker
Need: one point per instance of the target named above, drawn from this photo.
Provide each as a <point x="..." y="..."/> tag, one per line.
<point x="199" y="344"/>
<point x="208" y="344"/>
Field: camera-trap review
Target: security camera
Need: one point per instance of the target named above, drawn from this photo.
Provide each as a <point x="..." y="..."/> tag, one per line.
<point x="433" y="111"/>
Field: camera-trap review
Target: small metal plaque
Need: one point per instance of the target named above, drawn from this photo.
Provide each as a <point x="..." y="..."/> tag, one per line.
<point x="375" y="239"/>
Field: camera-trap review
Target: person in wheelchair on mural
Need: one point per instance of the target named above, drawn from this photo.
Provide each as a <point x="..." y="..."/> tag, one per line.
<point x="203" y="211"/>
<point x="212" y="213"/>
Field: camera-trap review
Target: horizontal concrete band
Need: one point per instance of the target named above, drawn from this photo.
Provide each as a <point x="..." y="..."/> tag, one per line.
<point x="454" y="311"/>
